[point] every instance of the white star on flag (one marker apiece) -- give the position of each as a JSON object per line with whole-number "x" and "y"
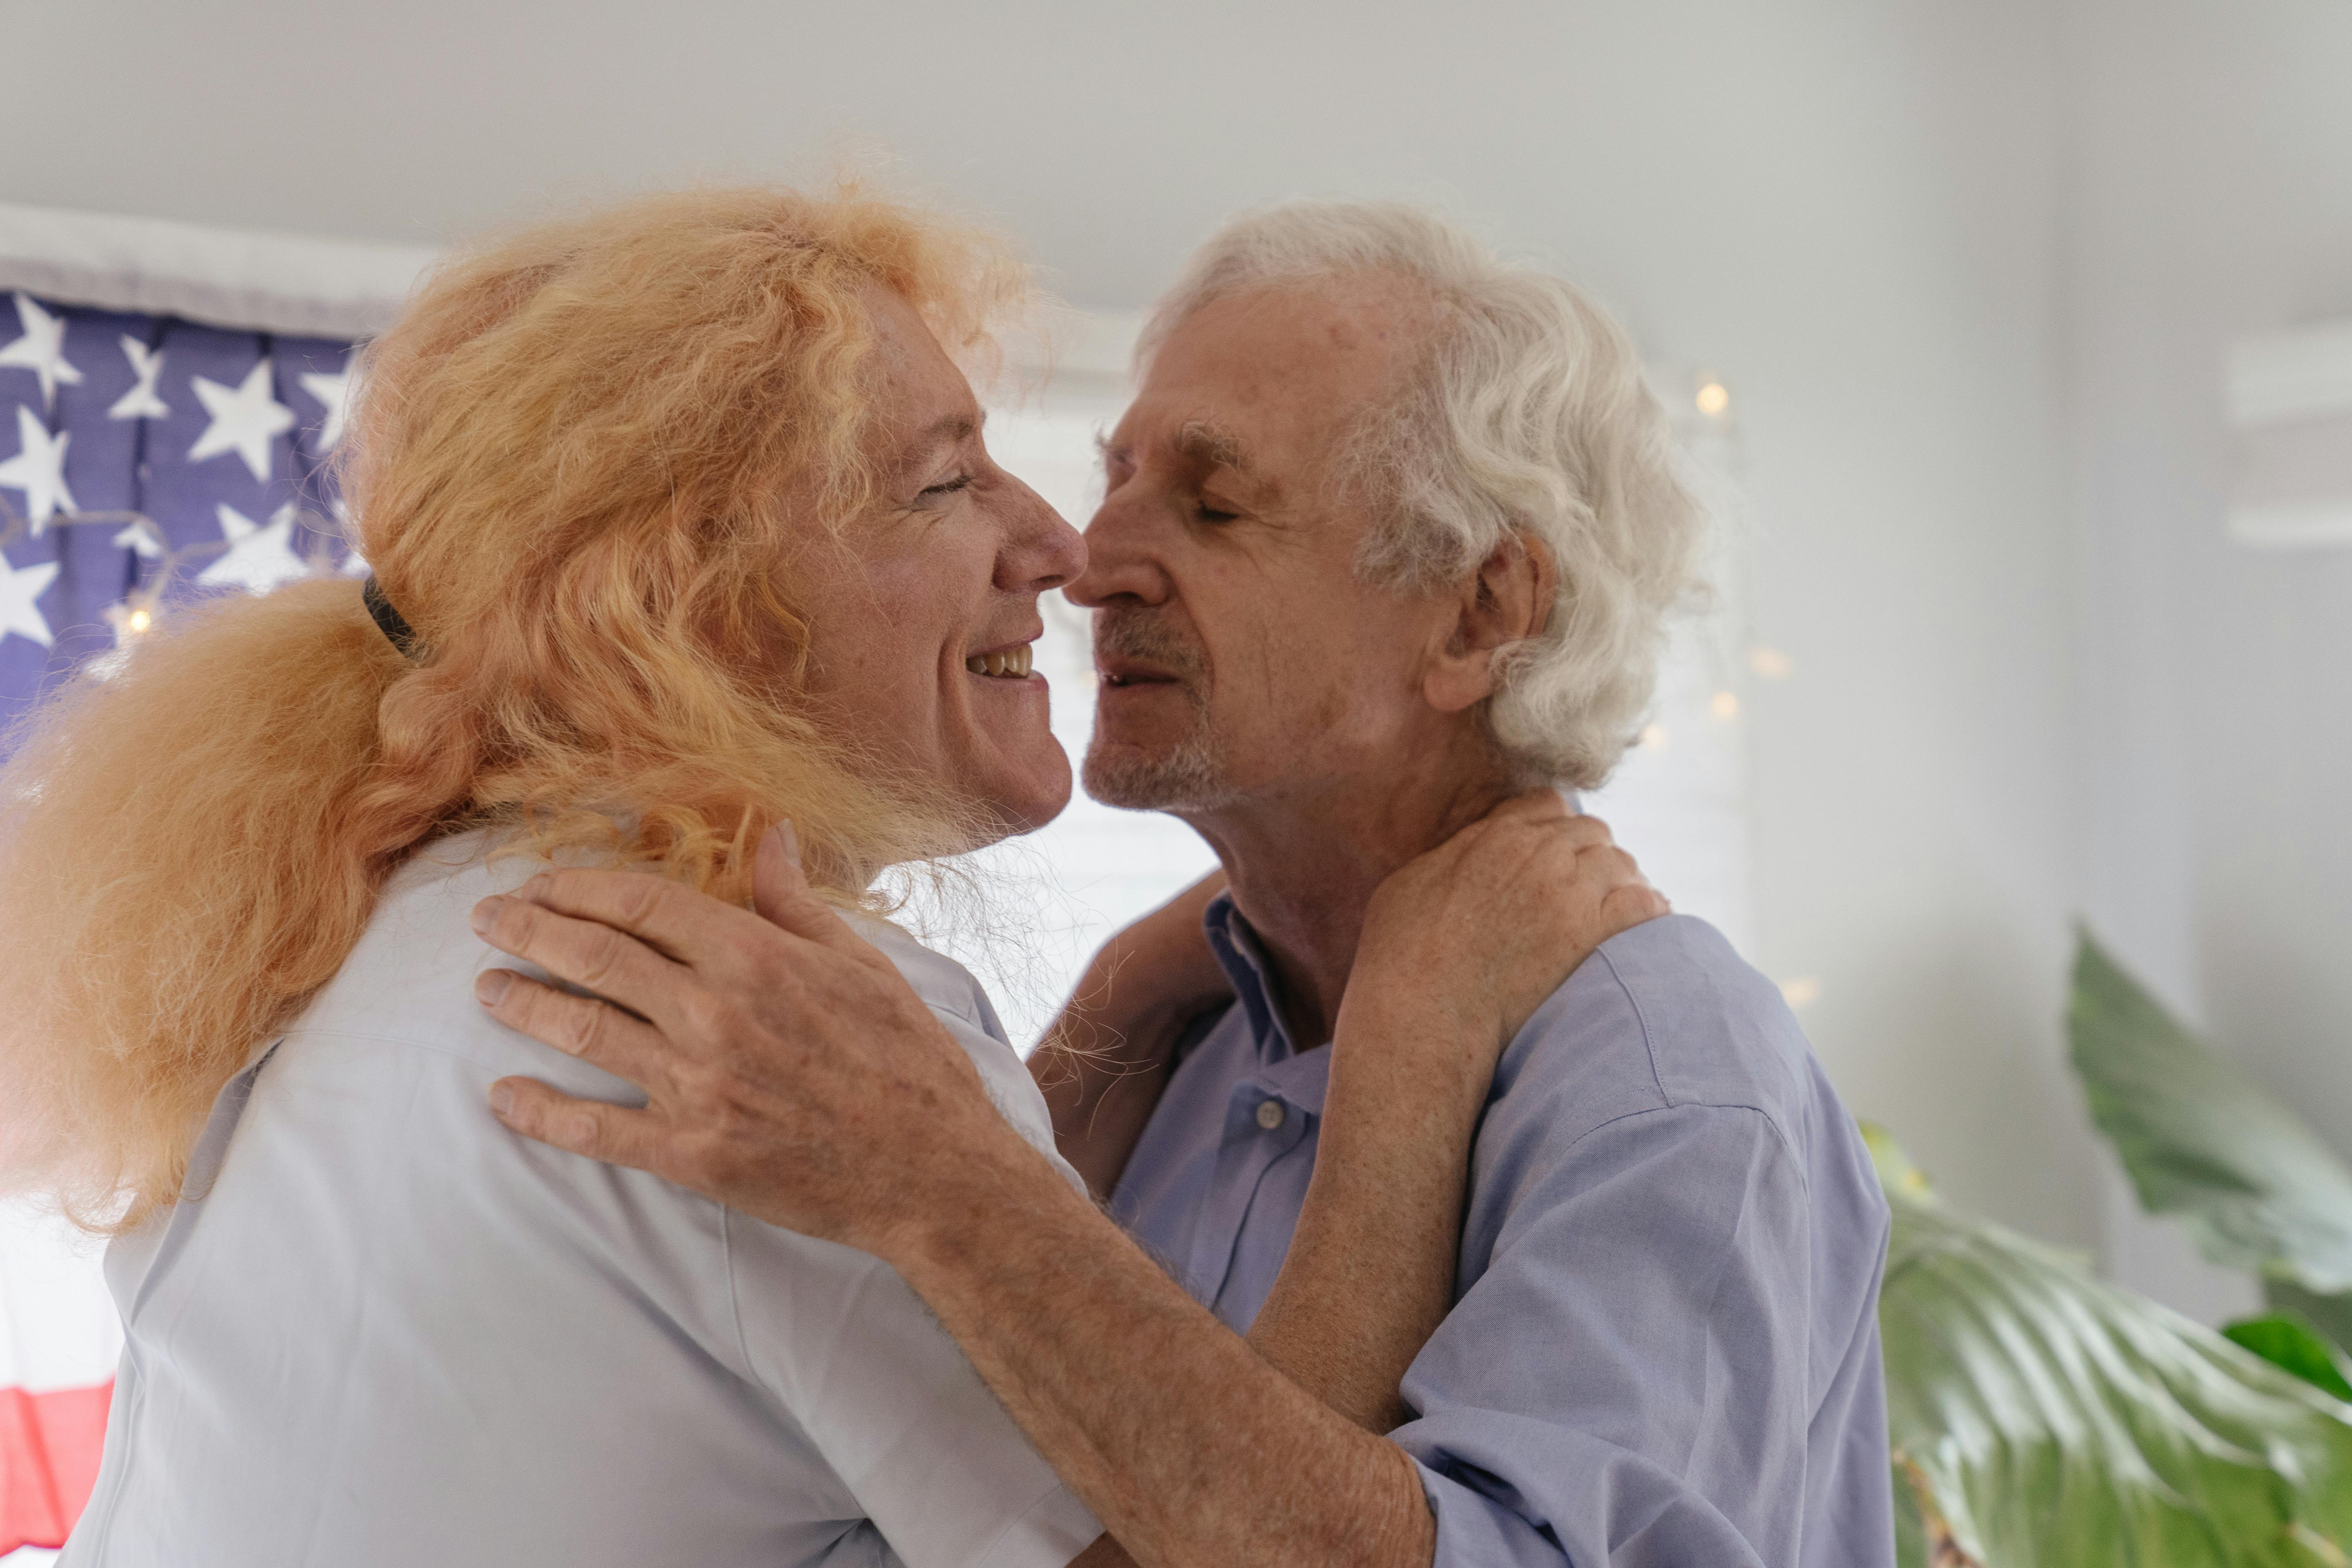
{"x": 260, "y": 556}
{"x": 244, "y": 419}
{"x": 42, "y": 350}
{"x": 140, "y": 402}
{"x": 334, "y": 394}
{"x": 38, "y": 469}
{"x": 140, "y": 536}
{"x": 20, "y": 591}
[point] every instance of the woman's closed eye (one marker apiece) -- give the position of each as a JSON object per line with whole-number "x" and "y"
{"x": 944, "y": 488}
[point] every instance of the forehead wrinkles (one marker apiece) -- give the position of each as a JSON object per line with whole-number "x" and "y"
{"x": 1319, "y": 355}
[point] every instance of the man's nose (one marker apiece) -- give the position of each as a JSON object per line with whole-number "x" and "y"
{"x": 1120, "y": 563}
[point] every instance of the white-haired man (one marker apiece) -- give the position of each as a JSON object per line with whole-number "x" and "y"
{"x": 1390, "y": 534}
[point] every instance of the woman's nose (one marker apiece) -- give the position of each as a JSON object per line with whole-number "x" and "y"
{"x": 1042, "y": 549}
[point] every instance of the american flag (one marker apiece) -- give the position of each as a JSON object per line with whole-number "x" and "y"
{"x": 145, "y": 461}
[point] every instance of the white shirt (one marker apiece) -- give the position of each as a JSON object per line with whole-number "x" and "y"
{"x": 383, "y": 1330}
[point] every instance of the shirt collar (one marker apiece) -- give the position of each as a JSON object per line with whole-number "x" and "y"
{"x": 1243, "y": 957}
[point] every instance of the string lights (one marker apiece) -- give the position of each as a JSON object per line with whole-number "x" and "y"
{"x": 138, "y": 613}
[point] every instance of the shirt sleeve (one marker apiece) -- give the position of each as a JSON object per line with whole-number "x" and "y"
{"x": 889, "y": 1402}
{"x": 1627, "y": 1383}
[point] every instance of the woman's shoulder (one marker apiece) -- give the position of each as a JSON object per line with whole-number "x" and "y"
{"x": 408, "y": 982}
{"x": 945, "y": 986}
{"x": 960, "y": 1002}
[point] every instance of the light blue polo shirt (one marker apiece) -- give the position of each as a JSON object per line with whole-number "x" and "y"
{"x": 385, "y": 1331}
{"x": 1663, "y": 1346}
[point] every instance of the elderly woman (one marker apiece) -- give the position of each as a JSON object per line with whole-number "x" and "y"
{"x": 682, "y": 529}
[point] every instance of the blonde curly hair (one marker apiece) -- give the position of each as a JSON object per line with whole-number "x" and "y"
{"x": 583, "y": 461}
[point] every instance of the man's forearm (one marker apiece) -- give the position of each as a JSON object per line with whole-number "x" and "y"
{"x": 1188, "y": 1445}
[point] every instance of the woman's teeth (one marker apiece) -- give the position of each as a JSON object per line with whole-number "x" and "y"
{"x": 1013, "y": 664}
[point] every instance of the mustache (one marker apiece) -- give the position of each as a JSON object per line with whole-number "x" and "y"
{"x": 1143, "y": 633}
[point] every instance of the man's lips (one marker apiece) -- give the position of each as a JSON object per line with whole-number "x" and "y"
{"x": 1129, "y": 672}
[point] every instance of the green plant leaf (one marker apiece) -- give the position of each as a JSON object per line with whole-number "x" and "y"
{"x": 2331, "y": 1315}
{"x": 2255, "y": 1186}
{"x": 2288, "y": 1341}
{"x": 2043, "y": 1418}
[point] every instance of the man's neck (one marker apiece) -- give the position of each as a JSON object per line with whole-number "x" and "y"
{"x": 1303, "y": 866}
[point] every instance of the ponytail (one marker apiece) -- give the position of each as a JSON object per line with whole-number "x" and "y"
{"x": 184, "y": 861}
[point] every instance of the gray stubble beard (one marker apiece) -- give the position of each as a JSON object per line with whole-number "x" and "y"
{"x": 1189, "y": 776}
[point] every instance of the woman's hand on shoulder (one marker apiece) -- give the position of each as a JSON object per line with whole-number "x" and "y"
{"x": 1476, "y": 933}
{"x": 789, "y": 1070}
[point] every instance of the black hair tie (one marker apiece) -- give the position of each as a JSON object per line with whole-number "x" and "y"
{"x": 388, "y": 621}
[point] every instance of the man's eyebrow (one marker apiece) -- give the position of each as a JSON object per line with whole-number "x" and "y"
{"x": 1206, "y": 443}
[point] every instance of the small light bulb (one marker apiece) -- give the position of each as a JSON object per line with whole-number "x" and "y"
{"x": 1801, "y": 992}
{"x": 1713, "y": 397}
{"x": 1726, "y": 705}
{"x": 1653, "y": 737}
{"x": 139, "y": 621}
{"x": 1771, "y": 662}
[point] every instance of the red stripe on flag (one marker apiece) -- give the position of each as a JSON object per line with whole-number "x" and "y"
{"x": 49, "y": 1449}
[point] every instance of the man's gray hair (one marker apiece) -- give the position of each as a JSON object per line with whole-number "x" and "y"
{"x": 1528, "y": 420}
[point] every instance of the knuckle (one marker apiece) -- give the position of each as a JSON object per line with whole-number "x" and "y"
{"x": 741, "y": 951}
{"x": 513, "y": 924}
{"x": 709, "y": 1015}
{"x": 600, "y": 959}
{"x": 585, "y": 1026}
{"x": 583, "y": 1128}
{"x": 639, "y": 897}
{"x": 709, "y": 1087}
{"x": 1587, "y": 832}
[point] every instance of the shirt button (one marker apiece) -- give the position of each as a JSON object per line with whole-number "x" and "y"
{"x": 1269, "y": 1114}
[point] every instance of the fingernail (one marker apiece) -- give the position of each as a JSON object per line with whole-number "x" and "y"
{"x": 490, "y": 984}
{"x": 501, "y": 1097}
{"x": 486, "y": 915}
{"x": 789, "y": 839}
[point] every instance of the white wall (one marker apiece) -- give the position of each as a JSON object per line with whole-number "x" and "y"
{"x": 2210, "y": 196}
{"x": 1849, "y": 210}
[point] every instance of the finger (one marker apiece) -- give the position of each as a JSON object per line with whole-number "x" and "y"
{"x": 588, "y": 953}
{"x": 673, "y": 920}
{"x": 585, "y": 1027}
{"x": 782, "y": 894}
{"x": 1586, "y": 832}
{"x": 1634, "y": 903}
{"x": 1606, "y": 865}
{"x": 780, "y": 888}
{"x": 613, "y": 1133}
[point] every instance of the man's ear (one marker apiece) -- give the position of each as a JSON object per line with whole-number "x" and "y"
{"x": 1508, "y": 599}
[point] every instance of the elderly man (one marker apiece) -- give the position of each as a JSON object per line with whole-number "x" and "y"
{"x": 1390, "y": 533}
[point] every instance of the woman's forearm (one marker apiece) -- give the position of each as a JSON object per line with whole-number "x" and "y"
{"x": 1370, "y": 1269}
{"x": 1187, "y": 1445}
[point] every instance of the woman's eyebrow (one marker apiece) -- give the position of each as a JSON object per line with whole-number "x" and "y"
{"x": 953, "y": 430}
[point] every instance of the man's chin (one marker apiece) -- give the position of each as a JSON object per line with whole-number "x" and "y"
{"x": 1182, "y": 778}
